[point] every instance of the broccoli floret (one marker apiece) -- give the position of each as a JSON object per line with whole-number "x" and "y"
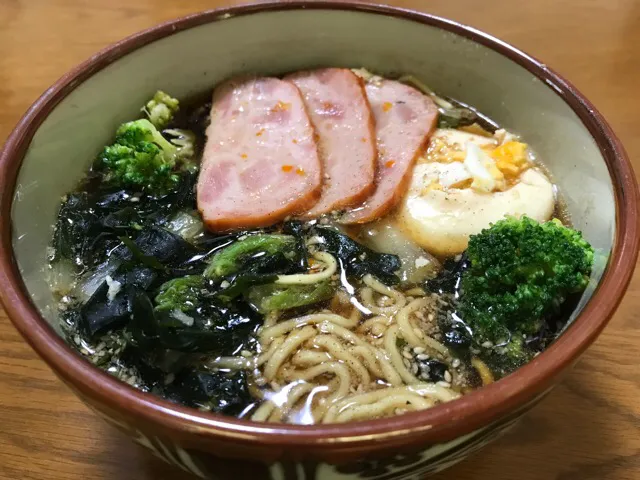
{"x": 182, "y": 294}
{"x": 161, "y": 109}
{"x": 141, "y": 157}
{"x": 185, "y": 141}
{"x": 520, "y": 271}
{"x": 140, "y": 131}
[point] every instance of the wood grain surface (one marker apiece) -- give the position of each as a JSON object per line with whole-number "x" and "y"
{"x": 588, "y": 428}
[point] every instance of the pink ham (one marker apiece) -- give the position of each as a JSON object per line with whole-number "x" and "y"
{"x": 339, "y": 110}
{"x": 260, "y": 163}
{"x": 404, "y": 119}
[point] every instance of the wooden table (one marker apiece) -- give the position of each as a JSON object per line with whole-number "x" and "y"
{"x": 588, "y": 428}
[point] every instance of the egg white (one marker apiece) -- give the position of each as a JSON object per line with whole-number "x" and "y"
{"x": 441, "y": 221}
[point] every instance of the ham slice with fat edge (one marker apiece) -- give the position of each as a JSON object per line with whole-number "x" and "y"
{"x": 260, "y": 163}
{"x": 404, "y": 120}
{"x": 340, "y": 113}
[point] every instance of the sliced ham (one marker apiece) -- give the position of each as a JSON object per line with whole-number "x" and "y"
{"x": 404, "y": 120}
{"x": 340, "y": 113}
{"x": 260, "y": 163}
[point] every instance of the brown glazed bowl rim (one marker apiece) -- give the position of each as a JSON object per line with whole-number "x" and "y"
{"x": 442, "y": 423}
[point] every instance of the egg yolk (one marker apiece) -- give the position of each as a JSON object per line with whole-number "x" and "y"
{"x": 511, "y": 159}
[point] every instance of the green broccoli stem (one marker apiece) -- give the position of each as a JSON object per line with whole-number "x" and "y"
{"x": 161, "y": 109}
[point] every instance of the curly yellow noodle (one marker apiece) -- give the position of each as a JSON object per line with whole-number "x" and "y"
{"x": 293, "y": 396}
{"x": 275, "y": 344}
{"x": 329, "y": 363}
{"x": 390, "y": 374}
{"x": 282, "y": 328}
{"x": 232, "y": 363}
{"x": 339, "y": 370}
{"x": 379, "y": 408}
{"x": 485, "y": 374}
{"x": 288, "y": 347}
{"x": 390, "y": 345}
{"x": 415, "y": 292}
{"x": 369, "y": 322}
{"x": 430, "y": 391}
{"x": 331, "y": 265}
{"x": 308, "y": 358}
{"x": 404, "y": 324}
{"x": 369, "y": 302}
{"x": 435, "y": 345}
{"x": 338, "y": 351}
{"x": 271, "y": 319}
{"x": 369, "y": 357}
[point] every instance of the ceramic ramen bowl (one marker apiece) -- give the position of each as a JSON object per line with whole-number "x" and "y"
{"x": 52, "y": 145}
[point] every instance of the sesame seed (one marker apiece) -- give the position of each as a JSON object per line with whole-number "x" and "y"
{"x": 422, "y": 356}
{"x": 407, "y": 355}
{"x": 418, "y": 350}
{"x": 447, "y": 376}
{"x": 455, "y": 363}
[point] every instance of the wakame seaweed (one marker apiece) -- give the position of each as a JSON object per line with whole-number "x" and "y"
{"x": 356, "y": 259}
{"x": 214, "y": 329}
{"x": 219, "y": 392}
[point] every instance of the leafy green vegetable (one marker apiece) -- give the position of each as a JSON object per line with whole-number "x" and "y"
{"x": 358, "y": 260}
{"x": 520, "y": 271}
{"x": 232, "y": 259}
{"x": 272, "y": 296}
{"x": 241, "y": 283}
{"x": 161, "y": 109}
{"x": 456, "y": 117}
{"x": 180, "y": 294}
